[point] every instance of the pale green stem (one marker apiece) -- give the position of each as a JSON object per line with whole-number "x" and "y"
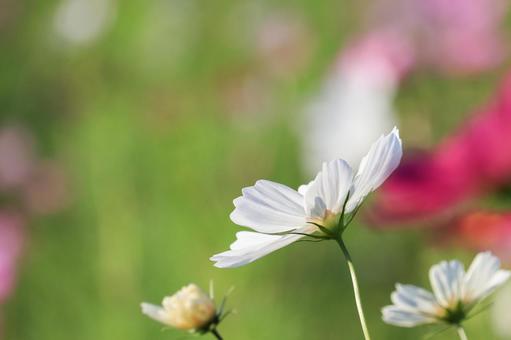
{"x": 461, "y": 333}
{"x": 356, "y": 291}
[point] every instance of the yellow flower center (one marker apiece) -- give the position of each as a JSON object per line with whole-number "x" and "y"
{"x": 329, "y": 221}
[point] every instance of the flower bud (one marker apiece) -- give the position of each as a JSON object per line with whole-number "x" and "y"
{"x": 188, "y": 309}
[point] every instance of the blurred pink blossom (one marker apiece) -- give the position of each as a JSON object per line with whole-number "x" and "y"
{"x": 461, "y": 35}
{"x": 390, "y": 50}
{"x": 28, "y": 186}
{"x": 453, "y": 36}
{"x": 482, "y": 231}
{"x": 39, "y": 186}
{"x": 11, "y": 245}
{"x": 475, "y": 159}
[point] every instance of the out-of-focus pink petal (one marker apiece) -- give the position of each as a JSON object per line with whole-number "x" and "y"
{"x": 461, "y": 36}
{"x": 452, "y": 36}
{"x": 475, "y": 159}
{"x": 388, "y": 49}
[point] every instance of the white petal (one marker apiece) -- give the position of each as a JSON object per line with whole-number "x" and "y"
{"x": 154, "y": 312}
{"x": 483, "y": 277}
{"x": 329, "y": 189}
{"x": 251, "y": 246}
{"x": 248, "y": 239}
{"x": 447, "y": 281}
{"x": 269, "y": 207}
{"x": 302, "y": 189}
{"x": 381, "y": 160}
{"x": 416, "y": 299}
{"x": 404, "y": 318}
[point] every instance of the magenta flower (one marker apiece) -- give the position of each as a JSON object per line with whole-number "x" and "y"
{"x": 471, "y": 161}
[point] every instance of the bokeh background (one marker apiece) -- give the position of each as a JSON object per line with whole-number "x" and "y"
{"x": 127, "y": 128}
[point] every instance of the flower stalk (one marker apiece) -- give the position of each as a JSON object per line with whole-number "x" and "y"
{"x": 356, "y": 290}
{"x": 461, "y": 333}
{"x": 217, "y": 335}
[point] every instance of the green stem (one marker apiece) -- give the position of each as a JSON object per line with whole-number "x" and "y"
{"x": 217, "y": 335}
{"x": 356, "y": 290}
{"x": 461, "y": 333}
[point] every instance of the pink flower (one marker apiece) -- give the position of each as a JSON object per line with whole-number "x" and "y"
{"x": 383, "y": 49}
{"x": 453, "y": 36}
{"x": 473, "y": 160}
{"x": 460, "y": 35}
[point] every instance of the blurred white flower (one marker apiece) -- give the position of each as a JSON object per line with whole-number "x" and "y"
{"x": 455, "y": 293}
{"x": 83, "y": 21}
{"x": 353, "y": 109}
{"x": 355, "y": 105}
{"x": 318, "y": 207}
{"x": 189, "y": 309}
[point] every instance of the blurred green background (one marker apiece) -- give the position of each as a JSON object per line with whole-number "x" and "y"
{"x": 150, "y": 121}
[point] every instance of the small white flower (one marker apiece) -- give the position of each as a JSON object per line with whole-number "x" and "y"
{"x": 272, "y": 208}
{"x": 455, "y": 293}
{"x": 188, "y": 309}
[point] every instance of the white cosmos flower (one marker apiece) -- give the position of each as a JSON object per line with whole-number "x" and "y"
{"x": 188, "y": 309}
{"x": 270, "y": 208}
{"x": 455, "y": 293}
